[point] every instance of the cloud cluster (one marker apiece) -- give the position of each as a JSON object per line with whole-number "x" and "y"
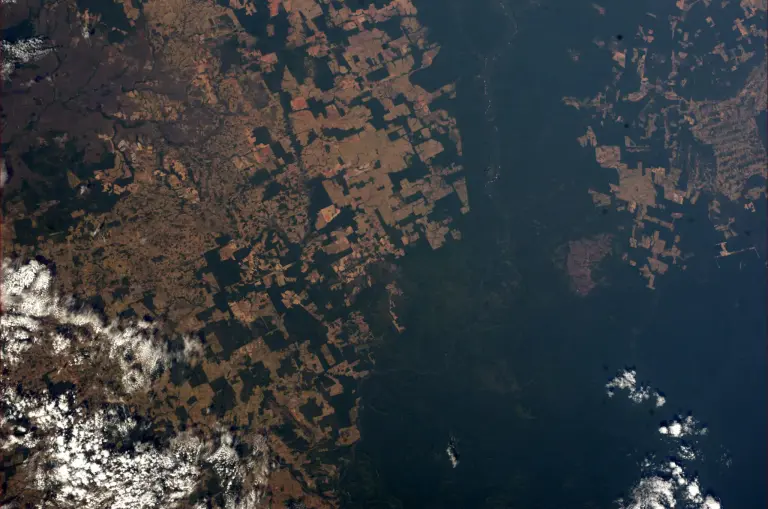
{"x": 664, "y": 484}
{"x": 34, "y": 315}
{"x": 85, "y": 452}
{"x": 88, "y": 459}
{"x": 22, "y": 52}
{"x": 626, "y": 380}
{"x": 75, "y": 460}
{"x": 681, "y": 427}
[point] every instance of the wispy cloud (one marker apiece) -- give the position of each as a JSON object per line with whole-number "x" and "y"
{"x": 21, "y": 52}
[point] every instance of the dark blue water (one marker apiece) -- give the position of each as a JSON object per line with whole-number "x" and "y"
{"x": 501, "y": 355}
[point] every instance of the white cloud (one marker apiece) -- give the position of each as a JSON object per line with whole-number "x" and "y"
{"x": 686, "y": 452}
{"x": 626, "y": 380}
{"x": 74, "y": 459}
{"x": 75, "y": 462}
{"x": 651, "y": 493}
{"x": 453, "y": 455}
{"x": 710, "y": 503}
{"x": 88, "y": 457}
{"x": 33, "y": 312}
{"x": 22, "y": 52}
{"x": 3, "y": 173}
{"x": 664, "y": 485}
{"x": 686, "y": 426}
